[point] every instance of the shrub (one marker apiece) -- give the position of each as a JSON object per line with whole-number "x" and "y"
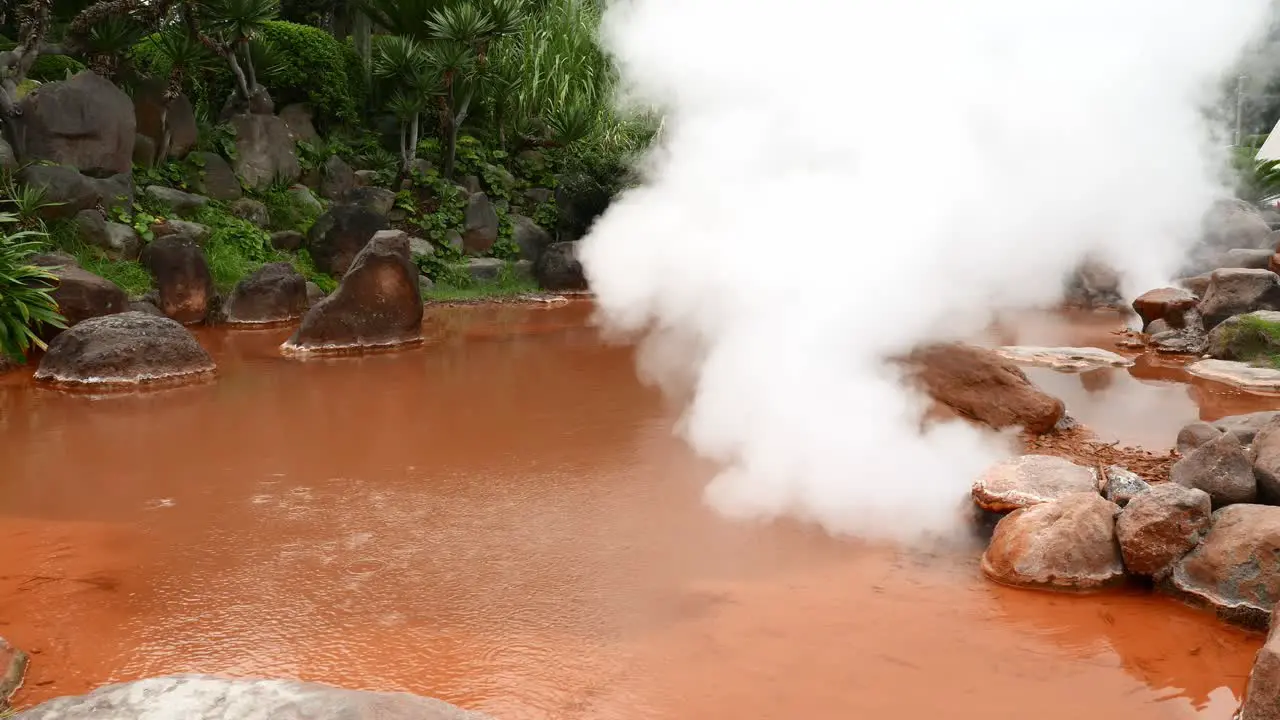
{"x": 235, "y": 248}
{"x": 307, "y": 65}
{"x": 47, "y": 68}
{"x": 25, "y": 293}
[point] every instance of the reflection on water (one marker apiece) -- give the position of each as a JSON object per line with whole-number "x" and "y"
{"x": 501, "y": 518}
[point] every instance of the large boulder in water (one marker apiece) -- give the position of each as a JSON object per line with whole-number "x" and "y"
{"x": 85, "y": 122}
{"x": 123, "y": 349}
{"x": 1029, "y": 480}
{"x": 1262, "y": 695}
{"x": 1238, "y": 291}
{"x": 377, "y": 304}
{"x": 273, "y": 293}
{"x": 182, "y": 277}
{"x": 1221, "y": 468}
{"x": 199, "y": 697}
{"x": 264, "y": 150}
{"x": 339, "y": 234}
{"x": 1067, "y": 544}
{"x": 1161, "y": 525}
{"x": 558, "y": 268}
{"x": 979, "y": 384}
{"x": 1236, "y": 569}
{"x": 1166, "y": 304}
{"x": 80, "y": 294}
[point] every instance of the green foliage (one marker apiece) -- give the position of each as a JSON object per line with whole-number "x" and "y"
{"x": 1253, "y": 339}
{"x": 235, "y": 247}
{"x": 26, "y": 300}
{"x": 304, "y": 264}
{"x": 139, "y": 219}
{"x": 50, "y": 68}
{"x": 306, "y": 64}
{"x": 285, "y": 212}
{"x": 23, "y": 202}
{"x": 128, "y": 274}
{"x": 1259, "y": 180}
{"x": 509, "y": 284}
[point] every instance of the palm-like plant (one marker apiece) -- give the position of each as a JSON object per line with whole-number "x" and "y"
{"x": 231, "y": 28}
{"x": 1259, "y": 180}
{"x": 26, "y": 300}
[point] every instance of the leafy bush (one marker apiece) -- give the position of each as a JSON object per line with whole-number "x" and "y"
{"x": 49, "y": 68}
{"x": 26, "y": 299}
{"x": 235, "y": 247}
{"x": 304, "y": 264}
{"x": 307, "y": 65}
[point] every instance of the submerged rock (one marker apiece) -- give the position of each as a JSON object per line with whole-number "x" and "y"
{"x": 1160, "y": 526}
{"x": 1262, "y": 695}
{"x": 1237, "y": 374}
{"x": 1064, "y": 359}
{"x": 1067, "y": 544}
{"x": 377, "y": 304}
{"x": 1122, "y": 486}
{"x": 980, "y": 385}
{"x": 13, "y": 667}
{"x": 1221, "y": 468}
{"x": 1236, "y": 569}
{"x": 124, "y": 349}
{"x": 273, "y": 293}
{"x": 1029, "y": 480}
{"x": 200, "y": 697}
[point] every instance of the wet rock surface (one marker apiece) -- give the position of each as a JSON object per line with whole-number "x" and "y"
{"x": 1262, "y": 695}
{"x": 377, "y": 304}
{"x": 273, "y": 293}
{"x": 1122, "y": 485}
{"x": 1029, "y": 480}
{"x": 980, "y": 385}
{"x": 1244, "y": 337}
{"x": 123, "y": 349}
{"x": 1237, "y": 374}
{"x": 1094, "y": 284}
{"x": 197, "y": 697}
{"x": 1064, "y": 359}
{"x": 1195, "y": 434}
{"x": 558, "y": 268}
{"x": 1266, "y": 461}
{"x": 182, "y": 278}
{"x": 1188, "y": 337}
{"x": 85, "y": 122}
{"x": 82, "y": 295}
{"x": 1067, "y": 544}
{"x": 1161, "y": 525}
{"x": 1236, "y": 568}
{"x": 1166, "y": 304}
{"x": 1221, "y": 468}
{"x": 1245, "y": 427}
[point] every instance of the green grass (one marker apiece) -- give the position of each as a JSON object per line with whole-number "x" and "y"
{"x": 303, "y": 263}
{"x": 506, "y": 286}
{"x": 1255, "y": 340}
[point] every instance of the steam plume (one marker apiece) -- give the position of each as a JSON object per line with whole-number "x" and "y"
{"x": 839, "y": 180}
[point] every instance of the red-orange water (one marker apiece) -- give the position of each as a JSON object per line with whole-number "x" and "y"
{"x": 502, "y": 519}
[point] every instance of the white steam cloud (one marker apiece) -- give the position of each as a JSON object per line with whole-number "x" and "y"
{"x": 839, "y": 180}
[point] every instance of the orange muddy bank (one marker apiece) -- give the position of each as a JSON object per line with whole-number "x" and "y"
{"x": 502, "y": 519}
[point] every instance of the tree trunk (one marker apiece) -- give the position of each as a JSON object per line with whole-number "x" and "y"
{"x": 404, "y": 144}
{"x": 250, "y": 73}
{"x": 363, "y": 41}
{"x": 412, "y": 151}
{"x": 242, "y": 83}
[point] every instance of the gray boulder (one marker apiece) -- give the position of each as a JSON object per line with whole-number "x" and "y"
{"x": 1221, "y": 468}
{"x": 336, "y": 178}
{"x": 1234, "y": 224}
{"x": 420, "y": 248}
{"x": 1235, "y": 292}
{"x": 182, "y": 278}
{"x": 214, "y": 177}
{"x": 303, "y": 199}
{"x": 1093, "y": 284}
{"x": 1161, "y": 525}
{"x": 1122, "y": 486}
{"x": 264, "y": 150}
{"x": 1188, "y": 337}
{"x": 117, "y": 240}
{"x": 198, "y": 697}
{"x": 8, "y": 158}
{"x": 339, "y": 234}
{"x": 181, "y": 228}
{"x": 1195, "y": 434}
{"x": 539, "y": 195}
{"x": 297, "y": 120}
{"x": 531, "y": 239}
{"x": 252, "y": 211}
{"x": 377, "y": 304}
{"x": 80, "y": 294}
{"x": 123, "y": 349}
{"x": 1266, "y": 461}
{"x": 1262, "y": 694}
{"x": 183, "y": 203}
{"x": 1246, "y": 337}
{"x": 273, "y": 293}
{"x": 287, "y": 240}
{"x": 84, "y": 122}
{"x": 1252, "y": 258}
{"x": 1246, "y": 426}
{"x": 480, "y": 226}
{"x": 485, "y": 269}
{"x": 558, "y": 268}
{"x": 69, "y": 191}
{"x": 379, "y": 200}
{"x": 1236, "y": 568}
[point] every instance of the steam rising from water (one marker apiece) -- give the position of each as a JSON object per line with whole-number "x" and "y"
{"x": 839, "y": 180}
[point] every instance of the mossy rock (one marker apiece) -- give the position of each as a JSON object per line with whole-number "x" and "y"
{"x": 1252, "y": 337}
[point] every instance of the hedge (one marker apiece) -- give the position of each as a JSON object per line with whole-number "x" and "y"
{"x": 47, "y": 68}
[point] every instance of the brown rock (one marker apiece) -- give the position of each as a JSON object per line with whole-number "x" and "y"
{"x": 980, "y": 385}
{"x": 1221, "y": 468}
{"x": 124, "y": 349}
{"x": 1166, "y": 304}
{"x": 376, "y": 305}
{"x": 1236, "y": 568}
{"x": 1262, "y": 695}
{"x": 1161, "y": 525}
{"x": 339, "y": 234}
{"x": 1029, "y": 480}
{"x": 1266, "y": 461}
{"x": 1067, "y": 544}
{"x": 13, "y": 667}
{"x": 1195, "y": 434}
{"x": 182, "y": 278}
{"x": 81, "y": 294}
{"x": 273, "y": 293}
{"x": 1274, "y": 263}
{"x": 84, "y": 122}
